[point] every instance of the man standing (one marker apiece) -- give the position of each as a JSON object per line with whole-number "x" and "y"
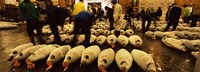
{"x": 83, "y": 21}
{"x": 167, "y": 13}
{"x": 173, "y": 17}
{"x": 117, "y": 14}
{"x": 78, "y": 7}
{"x": 194, "y": 19}
{"x": 56, "y": 17}
{"x": 186, "y": 14}
{"x": 158, "y": 13}
{"x": 28, "y": 12}
{"x": 128, "y": 15}
{"x": 146, "y": 16}
{"x": 109, "y": 13}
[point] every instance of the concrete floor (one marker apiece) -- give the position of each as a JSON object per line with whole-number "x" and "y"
{"x": 166, "y": 59}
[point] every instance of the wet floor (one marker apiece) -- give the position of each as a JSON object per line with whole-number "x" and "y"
{"x": 166, "y": 59}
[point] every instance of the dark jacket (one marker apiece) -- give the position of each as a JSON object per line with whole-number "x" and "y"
{"x": 159, "y": 12}
{"x": 100, "y": 14}
{"x": 166, "y": 16}
{"x": 174, "y": 13}
{"x": 194, "y": 17}
{"x": 146, "y": 16}
{"x": 85, "y": 16}
{"x": 109, "y": 13}
{"x": 27, "y": 10}
{"x": 57, "y": 16}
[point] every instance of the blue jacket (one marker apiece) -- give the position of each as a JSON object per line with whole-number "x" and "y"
{"x": 84, "y": 15}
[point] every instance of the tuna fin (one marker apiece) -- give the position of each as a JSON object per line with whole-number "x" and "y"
{"x": 123, "y": 69}
{"x": 101, "y": 67}
{"x": 65, "y": 65}
{"x": 31, "y": 66}
{"x": 50, "y": 65}
{"x": 16, "y": 64}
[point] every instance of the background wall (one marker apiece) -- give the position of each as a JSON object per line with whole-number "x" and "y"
{"x": 125, "y": 3}
{"x": 144, "y": 4}
{"x": 61, "y": 3}
{"x": 55, "y": 2}
{"x": 2, "y": 4}
{"x": 194, "y": 3}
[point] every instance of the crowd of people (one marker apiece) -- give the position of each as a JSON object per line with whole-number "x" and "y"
{"x": 84, "y": 19}
{"x": 172, "y": 17}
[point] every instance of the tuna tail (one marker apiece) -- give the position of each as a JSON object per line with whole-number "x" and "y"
{"x": 112, "y": 45}
{"x": 123, "y": 69}
{"x": 50, "y": 65}
{"x": 83, "y": 64}
{"x": 67, "y": 34}
{"x": 98, "y": 42}
{"x": 107, "y": 35}
{"x": 154, "y": 37}
{"x": 149, "y": 67}
{"x": 29, "y": 64}
{"x": 65, "y": 66}
{"x": 195, "y": 54}
{"x": 97, "y": 35}
{"x": 16, "y": 64}
{"x": 101, "y": 67}
{"x": 67, "y": 41}
{"x": 151, "y": 71}
{"x": 123, "y": 43}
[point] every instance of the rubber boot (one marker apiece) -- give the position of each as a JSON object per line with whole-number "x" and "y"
{"x": 32, "y": 39}
{"x": 57, "y": 39}
{"x": 40, "y": 39}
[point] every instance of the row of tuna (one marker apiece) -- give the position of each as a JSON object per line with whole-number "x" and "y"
{"x": 69, "y": 28}
{"x": 98, "y": 32}
{"x": 123, "y": 40}
{"x": 123, "y": 58}
{"x": 160, "y": 26}
{"x": 106, "y": 25}
{"x": 178, "y": 40}
{"x": 183, "y": 45}
{"x": 6, "y": 25}
{"x": 174, "y": 34}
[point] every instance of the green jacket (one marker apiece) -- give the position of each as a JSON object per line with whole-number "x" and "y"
{"x": 187, "y": 12}
{"x": 27, "y": 11}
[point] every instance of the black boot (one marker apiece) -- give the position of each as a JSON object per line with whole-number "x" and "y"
{"x": 32, "y": 39}
{"x": 57, "y": 40}
{"x": 40, "y": 39}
